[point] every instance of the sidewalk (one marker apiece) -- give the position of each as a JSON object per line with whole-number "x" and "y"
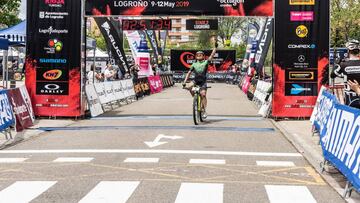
{"x": 32, "y": 132}
{"x": 299, "y": 133}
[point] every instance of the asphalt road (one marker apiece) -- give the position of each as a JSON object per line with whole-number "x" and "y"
{"x": 150, "y": 151}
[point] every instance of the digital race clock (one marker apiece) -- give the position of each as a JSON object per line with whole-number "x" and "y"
{"x": 146, "y": 24}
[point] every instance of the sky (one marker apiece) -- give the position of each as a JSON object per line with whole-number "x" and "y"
{"x": 22, "y": 14}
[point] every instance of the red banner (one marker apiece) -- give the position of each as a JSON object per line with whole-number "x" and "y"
{"x": 156, "y": 85}
{"x": 22, "y": 113}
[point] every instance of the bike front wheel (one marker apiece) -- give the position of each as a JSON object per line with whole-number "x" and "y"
{"x": 196, "y": 112}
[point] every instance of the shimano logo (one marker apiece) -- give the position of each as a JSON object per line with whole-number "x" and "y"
{"x": 58, "y": 61}
{"x": 301, "y": 46}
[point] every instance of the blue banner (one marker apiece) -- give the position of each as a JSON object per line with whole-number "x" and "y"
{"x": 6, "y": 114}
{"x": 339, "y": 128}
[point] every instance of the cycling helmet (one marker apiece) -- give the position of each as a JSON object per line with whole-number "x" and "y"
{"x": 200, "y": 52}
{"x": 352, "y": 45}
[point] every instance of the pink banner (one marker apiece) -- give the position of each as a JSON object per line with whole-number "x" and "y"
{"x": 156, "y": 85}
{"x": 302, "y": 16}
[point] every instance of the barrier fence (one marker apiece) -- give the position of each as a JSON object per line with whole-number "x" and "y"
{"x": 339, "y": 129}
{"x": 100, "y": 96}
{"x": 15, "y": 110}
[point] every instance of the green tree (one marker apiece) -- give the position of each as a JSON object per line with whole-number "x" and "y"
{"x": 345, "y": 21}
{"x": 229, "y": 27}
{"x": 9, "y": 12}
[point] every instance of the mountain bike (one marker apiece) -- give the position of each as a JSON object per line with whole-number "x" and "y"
{"x": 197, "y": 105}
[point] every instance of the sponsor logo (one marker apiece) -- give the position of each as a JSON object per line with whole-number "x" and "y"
{"x": 299, "y": 75}
{"x": 298, "y": 89}
{"x": 263, "y": 40}
{"x": 54, "y": 46}
{"x": 55, "y": 3}
{"x": 44, "y": 88}
{"x": 51, "y": 30}
{"x": 252, "y": 33}
{"x": 302, "y": 2}
{"x": 301, "y": 58}
{"x": 52, "y": 74}
{"x": 55, "y": 61}
{"x": 353, "y": 69}
{"x": 296, "y": 16}
{"x": 301, "y": 46}
{"x": 224, "y": 3}
{"x": 302, "y": 31}
{"x": 53, "y": 15}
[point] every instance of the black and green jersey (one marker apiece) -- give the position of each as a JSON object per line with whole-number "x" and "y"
{"x": 200, "y": 69}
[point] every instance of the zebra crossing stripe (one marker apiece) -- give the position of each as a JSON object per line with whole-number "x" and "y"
{"x": 73, "y": 159}
{"x": 24, "y": 191}
{"x": 111, "y": 192}
{"x": 12, "y": 160}
{"x": 141, "y": 160}
{"x": 286, "y": 194}
{"x": 200, "y": 192}
{"x": 207, "y": 161}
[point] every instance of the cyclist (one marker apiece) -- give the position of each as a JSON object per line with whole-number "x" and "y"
{"x": 349, "y": 69}
{"x": 200, "y": 68}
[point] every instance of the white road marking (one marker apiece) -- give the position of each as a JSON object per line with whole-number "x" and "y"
{"x": 111, "y": 192}
{"x": 275, "y": 163}
{"x": 157, "y": 142}
{"x": 207, "y": 161}
{"x": 12, "y": 160}
{"x": 73, "y": 159}
{"x": 286, "y": 194}
{"x": 141, "y": 160}
{"x": 24, "y": 191}
{"x": 148, "y": 151}
{"x": 200, "y": 192}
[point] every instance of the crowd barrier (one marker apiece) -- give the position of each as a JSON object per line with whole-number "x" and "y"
{"x": 339, "y": 129}
{"x": 102, "y": 95}
{"x": 15, "y": 110}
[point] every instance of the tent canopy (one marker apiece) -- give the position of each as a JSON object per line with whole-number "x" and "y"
{"x": 16, "y": 34}
{"x": 4, "y": 44}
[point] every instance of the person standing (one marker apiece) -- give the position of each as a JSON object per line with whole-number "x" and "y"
{"x": 109, "y": 73}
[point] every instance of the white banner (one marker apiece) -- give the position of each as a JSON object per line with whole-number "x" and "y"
{"x": 101, "y": 92}
{"x": 110, "y": 91}
{"x": 134, "y": 39}
{"x": 94, "y": 101}
{"x": 118, "y": 90}
{"x": 25, "y": 95}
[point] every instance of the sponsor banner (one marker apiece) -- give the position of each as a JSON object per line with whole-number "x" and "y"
{"x": 253, "y": 29}
{"x": 181, "y": 60}
{"x": 101, "y": 92}
{"x": 114, "y": 41}
{"x": 21, "y": 111}
{"x": 7, "y": 118}
{"x": 155, "y": 83}
{"x": 202, "y": 24}
{"x": 301, "y": 56}
{"x": 338, "y": 126}
{"x": 153, "y": 42}
{"x": 177, "y": 7}
{"x": 264, "y": 45}
{"x": 53, "y": 57}
{"x": 93, "y": 101}
{"x": 109, "y": 89}
{"x": 118, "y": 90}
{"x": 27, "y": 100}
{"x": 134, "y": 39}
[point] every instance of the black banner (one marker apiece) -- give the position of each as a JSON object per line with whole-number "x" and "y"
{"x": 114, "y": 41}
{"x": 264, "y": 45}
{"x": 153, "y": 42}
{"x": 202, "y": 24}
{"x": 179, "y": 7}
{"x": 53, "y": 63}
{"x": 301, "y": 55}
{"x": 181, "y": 60}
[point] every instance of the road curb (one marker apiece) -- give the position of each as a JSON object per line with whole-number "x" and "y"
{"x": 314, "y": 158}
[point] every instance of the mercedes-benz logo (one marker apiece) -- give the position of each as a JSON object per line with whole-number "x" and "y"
{"x": 301, "y": 58}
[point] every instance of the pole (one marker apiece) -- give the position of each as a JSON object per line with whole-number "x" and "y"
{"x": 6, "y": 76}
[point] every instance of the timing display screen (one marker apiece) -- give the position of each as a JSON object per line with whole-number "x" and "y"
{"x": 146, "y": 24}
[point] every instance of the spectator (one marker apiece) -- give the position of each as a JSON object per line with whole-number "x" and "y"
{"x": 1, "y": 67}
{"x": 109, "y": 73}
{"x": 93, "y": 76}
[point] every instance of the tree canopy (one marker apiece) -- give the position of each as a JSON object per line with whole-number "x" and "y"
{"x": 9, "y": 12}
